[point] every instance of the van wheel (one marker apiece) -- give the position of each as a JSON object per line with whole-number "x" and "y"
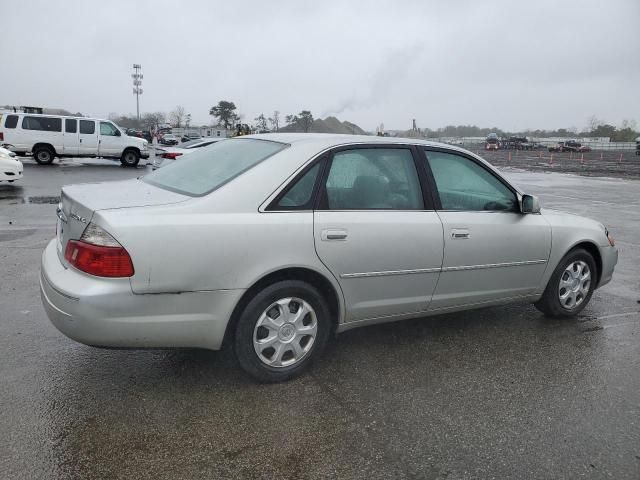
{"x": 43, "y": 155}
{"x": 130, "y": 158}
{"x": 282, "y": 330}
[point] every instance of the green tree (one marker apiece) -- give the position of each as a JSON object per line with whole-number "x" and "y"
{"x": 225, "y": 113}
{"x": 305, "y": 120}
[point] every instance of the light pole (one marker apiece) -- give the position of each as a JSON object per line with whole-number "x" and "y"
{"x": 137, "y": 86}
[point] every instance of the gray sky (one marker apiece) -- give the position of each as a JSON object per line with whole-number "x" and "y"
{"x": 514, "y": 65}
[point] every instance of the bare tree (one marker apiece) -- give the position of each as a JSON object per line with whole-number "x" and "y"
{"x": 261, "y": 122}
{"x": 275, "y": 121}
{"x": 153, "y": 120}
{"x": 593, "y": 123}
{"x": 176, "y": 116}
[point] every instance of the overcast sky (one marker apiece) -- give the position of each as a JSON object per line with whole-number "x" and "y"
{"x": 514, "y": 65}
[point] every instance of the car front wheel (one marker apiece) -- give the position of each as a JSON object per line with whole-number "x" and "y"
{"x": 282, "y": 330}
{"x": 571, "y": 285}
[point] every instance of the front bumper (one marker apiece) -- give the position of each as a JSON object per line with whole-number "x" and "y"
{"x": 106, "y": 313}
{"x": 11, "y": 173}
{"x": 609, "y": 256}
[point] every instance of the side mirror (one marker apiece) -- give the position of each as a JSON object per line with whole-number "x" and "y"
{"x": 530, "y": 204}
{"x": 118, "y": 133}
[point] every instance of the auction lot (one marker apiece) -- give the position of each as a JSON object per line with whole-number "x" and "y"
{"x": 494, "y": 393}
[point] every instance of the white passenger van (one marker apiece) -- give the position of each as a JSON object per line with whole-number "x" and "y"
{"x": 50, "y": 136}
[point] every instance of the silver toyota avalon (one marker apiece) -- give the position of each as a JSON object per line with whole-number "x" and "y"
{"x": 271, "y": 243}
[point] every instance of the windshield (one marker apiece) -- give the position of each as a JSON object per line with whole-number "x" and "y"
{"x": 210, "y": 167}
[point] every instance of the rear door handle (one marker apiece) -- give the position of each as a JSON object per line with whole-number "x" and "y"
{"x": 333, "y": 234}
{"x": 460, "y": 233}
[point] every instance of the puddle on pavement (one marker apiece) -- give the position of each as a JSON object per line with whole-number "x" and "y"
{"x": 38, "y": 200}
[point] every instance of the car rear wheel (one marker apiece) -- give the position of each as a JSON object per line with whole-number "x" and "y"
{"x": 282, "y": 330}
{"x": 130, "y": 158}
{"x": 571, "y": 285}
{"x": 43, "y": 155}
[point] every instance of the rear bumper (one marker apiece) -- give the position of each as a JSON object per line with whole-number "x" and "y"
{"x": 609, "y": 256}
{"x": 106, "y": 313}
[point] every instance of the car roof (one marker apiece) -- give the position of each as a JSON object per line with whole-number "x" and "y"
{"x": 327, "y": 140}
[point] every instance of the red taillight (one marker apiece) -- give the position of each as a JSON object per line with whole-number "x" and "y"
{"x": 171, "y": 155}
{"x": 98, "y": 260}
{"x": 1, "y": 135}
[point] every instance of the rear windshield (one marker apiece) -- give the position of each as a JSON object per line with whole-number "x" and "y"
{"x": 208, "y": 168}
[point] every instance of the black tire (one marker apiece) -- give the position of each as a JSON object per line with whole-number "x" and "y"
{"x": 130, "y": 158}
{"x": 246, "y": 327}
{"x": 550, "y": 303}
{"x": 43, "y": 155}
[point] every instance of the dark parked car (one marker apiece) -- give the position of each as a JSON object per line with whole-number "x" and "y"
{"x": 132, "y": 132}
{"x": 569, "y": 146}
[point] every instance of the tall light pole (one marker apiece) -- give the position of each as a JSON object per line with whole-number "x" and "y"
{"x": 137, "y": 86}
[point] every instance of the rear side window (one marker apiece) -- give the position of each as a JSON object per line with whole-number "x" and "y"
{"x": 298, "y": 196}
{"x": 207, "y": 169}
{"x": 71, "y": 125}
{"x": 87, "y": 127}
{"x": 46, "y": 124}
{"x": 11, "y": 121}
{"x": 373, "y": 179}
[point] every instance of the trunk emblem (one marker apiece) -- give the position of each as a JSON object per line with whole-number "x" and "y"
{"x": 78, "y": 217}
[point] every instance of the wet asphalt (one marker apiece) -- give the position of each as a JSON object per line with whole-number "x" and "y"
{"x": 494, "y": 393}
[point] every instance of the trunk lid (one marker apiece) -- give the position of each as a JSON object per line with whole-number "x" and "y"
{"x": 79, "y": 202}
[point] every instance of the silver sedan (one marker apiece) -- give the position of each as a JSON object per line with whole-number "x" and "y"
{"x": 271, "y": 243}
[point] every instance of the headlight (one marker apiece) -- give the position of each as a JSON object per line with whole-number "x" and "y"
{"x": 612, "y": 242}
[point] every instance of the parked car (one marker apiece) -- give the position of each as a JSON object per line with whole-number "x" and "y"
{"x": 171, "y": 153}
{"x": 270, "y": 243}
{"x": 10, "y": 167}
{"x": 50, "y": 136}
{"x": 638, "y": 146}
{"x": 190, "y": 136}
{"x": 132, "y": 132}
{"x": 568, "y": 146}
{"x": 583, "y": 148}
{"x": 169, "y": 139}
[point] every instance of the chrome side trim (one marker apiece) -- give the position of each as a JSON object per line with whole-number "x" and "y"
{"x": 435, "y": 270}
{"x": 389, "y": 273}
{"x": 493, "y": 265}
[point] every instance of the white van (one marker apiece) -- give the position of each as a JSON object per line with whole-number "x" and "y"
{"x": 50, "y": 136}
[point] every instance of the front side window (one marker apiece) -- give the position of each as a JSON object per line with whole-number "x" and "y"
{"x": 70, "y": 125}
{"x": 465, "y": 185}
{"x": 88, "y": 127}
{"x": 47, "y": 124}
{"x": 11, "y": 121}
{"x": 207, "y": 169}
{"x": 108, "y": 129}
{"x": 373, "y": 179}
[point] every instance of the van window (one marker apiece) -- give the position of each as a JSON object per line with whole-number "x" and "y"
{"x": 108, "y": 129}
{"x": 71, "y": 125}
{"x": 47, "y": 124}
{"x": 87, "y": 127}
{"x": 11, "y": 121}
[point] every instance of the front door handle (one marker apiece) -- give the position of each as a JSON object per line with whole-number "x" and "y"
{"x": 333, "y": 234}
{"x": 460, "y": 233}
